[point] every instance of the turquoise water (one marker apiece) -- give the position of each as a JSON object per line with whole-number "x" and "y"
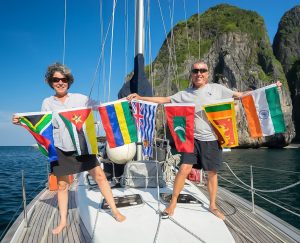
{"x": 284, "y": 163}
{"x": 12, "y": 161}
{"x": 34, "y": 164}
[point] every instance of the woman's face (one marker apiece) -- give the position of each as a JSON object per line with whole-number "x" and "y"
{"x": 60, "y": 84}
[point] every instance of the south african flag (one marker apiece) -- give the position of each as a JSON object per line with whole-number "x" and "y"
{"x": 39, "y": 124}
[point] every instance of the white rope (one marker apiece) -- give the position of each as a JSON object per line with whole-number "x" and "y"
{"x": 111, "y": 47}
{"x": 236, "y": 176}
{"x": 260, "y": 190}
{"x": 281, "y": 202}
{"x": 279, "y": 189}
{"x": 284, "y": 208}
{"x": 286, "y": 171}
{"x": 247, "y": 189}
{"x": 65, "y": 28}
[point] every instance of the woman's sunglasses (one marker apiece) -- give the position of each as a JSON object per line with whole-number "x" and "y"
{"x": 56, "y": 80}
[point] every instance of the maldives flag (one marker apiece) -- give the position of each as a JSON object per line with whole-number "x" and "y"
{"x": 118, "y": 123}
{"x": 263, "y": 112}
{"x": 221, "y": 115}
{"x": 80, "y": 124}
{"x": 181, "y": 118}
{"x": 39, "y": 124}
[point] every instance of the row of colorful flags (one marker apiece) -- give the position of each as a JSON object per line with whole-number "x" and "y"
{"x": 123, "y": 126}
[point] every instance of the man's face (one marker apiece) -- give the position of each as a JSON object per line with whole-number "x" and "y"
{"x": 199, "y": 74}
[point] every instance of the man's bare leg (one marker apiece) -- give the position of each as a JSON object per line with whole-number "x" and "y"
{"x": 99, "y": 176}
{"x": 212, "y": 187}
{"x": 184, "y": 170}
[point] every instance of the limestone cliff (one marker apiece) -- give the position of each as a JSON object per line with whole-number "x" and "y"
{"x": 286, "y": 47}
{"x": 235, "y": 44}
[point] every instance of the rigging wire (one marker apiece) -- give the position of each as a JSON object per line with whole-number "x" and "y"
{"x": 173, "y": 55}
{"x": 65, "y": 29}
{"x": 186, "y": 27}
{"x": 150, "y": 48}
{"x": 199, "y": 28}
{"x": 101, "y": 56}
{"x": 111, "y": 47}
{"x": 126, "y": 40}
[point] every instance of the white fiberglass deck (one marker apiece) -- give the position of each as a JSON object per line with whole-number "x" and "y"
{"x": 143, "y": 223}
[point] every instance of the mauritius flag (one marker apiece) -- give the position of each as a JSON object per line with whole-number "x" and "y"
{"x": 39, "y": 124}
{"x": 80, "y": 124}
{"x": 263, "y": 112}
{"x": 118, "y": 123}
{"x": 180, "y": 118}
{"x": 221, "y": 115}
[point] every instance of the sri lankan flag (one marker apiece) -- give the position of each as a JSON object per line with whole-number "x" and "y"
{"x": 80, "y": 124}
{"x": 39, "y": 124}
{"x": 118, "y": 123}
{"x": 222, "y": 117}
{"x": 180, "y": 118}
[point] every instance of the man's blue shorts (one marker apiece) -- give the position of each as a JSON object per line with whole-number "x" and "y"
{"x": 207, "y": 156}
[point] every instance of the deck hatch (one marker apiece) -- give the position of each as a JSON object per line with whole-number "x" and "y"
{"x": 183, "y": 198}
{"x": 125, "y": 201}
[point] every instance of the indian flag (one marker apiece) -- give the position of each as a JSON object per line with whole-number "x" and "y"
{"x": 221, "y": 115}
{"x": 263, "y": 112}
{"x": 118, "y": 123}
{"x": 39, "y": 124}
{"x": 80, "y": 124}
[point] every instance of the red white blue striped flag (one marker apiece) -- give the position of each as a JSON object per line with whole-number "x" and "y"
{"x": 144, "y": 115}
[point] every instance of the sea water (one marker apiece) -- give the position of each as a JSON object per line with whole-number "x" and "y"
{"x": 283, "y": 162}
{"x": 273, "y": 170}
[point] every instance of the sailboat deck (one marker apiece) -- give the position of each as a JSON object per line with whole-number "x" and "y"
{"x": 243, "y": 225}
{"x": 248, "y": 227}
{"x": 45, "y": 217}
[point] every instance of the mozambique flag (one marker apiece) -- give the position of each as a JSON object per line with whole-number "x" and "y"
{"x": 181, "y": 118}
{"x": 222, "y": 117}
{"x": 118, "y": 123}
{"x": 39, "y": 124}
{"x": 80, "y": 124}
{"x": 263, "y": 112}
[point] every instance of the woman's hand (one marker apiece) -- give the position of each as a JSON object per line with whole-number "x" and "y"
{"x": 133, "y": 96}
{"x": 15, "y": 119}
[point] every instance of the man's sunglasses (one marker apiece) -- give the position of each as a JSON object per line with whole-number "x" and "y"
{"x": 199, "y": 70}
{"x": 56, "y": 80}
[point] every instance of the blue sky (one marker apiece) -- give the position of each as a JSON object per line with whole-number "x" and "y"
{"x": 31, "y": 38}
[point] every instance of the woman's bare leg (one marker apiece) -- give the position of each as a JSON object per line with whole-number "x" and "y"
{"x": 62, "y": 197}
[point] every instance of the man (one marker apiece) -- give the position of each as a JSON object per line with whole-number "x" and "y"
{"x": 207, "y": 151}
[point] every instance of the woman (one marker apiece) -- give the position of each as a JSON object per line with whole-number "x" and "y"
{"x": 59, "y": 78}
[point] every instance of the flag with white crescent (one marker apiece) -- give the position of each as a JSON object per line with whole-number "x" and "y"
{"x": 180, "y": 118}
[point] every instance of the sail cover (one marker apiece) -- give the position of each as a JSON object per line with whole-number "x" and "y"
{"x": 139, "y": 83}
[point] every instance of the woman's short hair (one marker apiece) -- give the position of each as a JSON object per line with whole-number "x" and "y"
{"x": 58, "y": 67}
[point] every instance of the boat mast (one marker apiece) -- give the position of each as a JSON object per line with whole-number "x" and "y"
{"x": 139, "y": 27}
{"x": 139, "y": 49}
